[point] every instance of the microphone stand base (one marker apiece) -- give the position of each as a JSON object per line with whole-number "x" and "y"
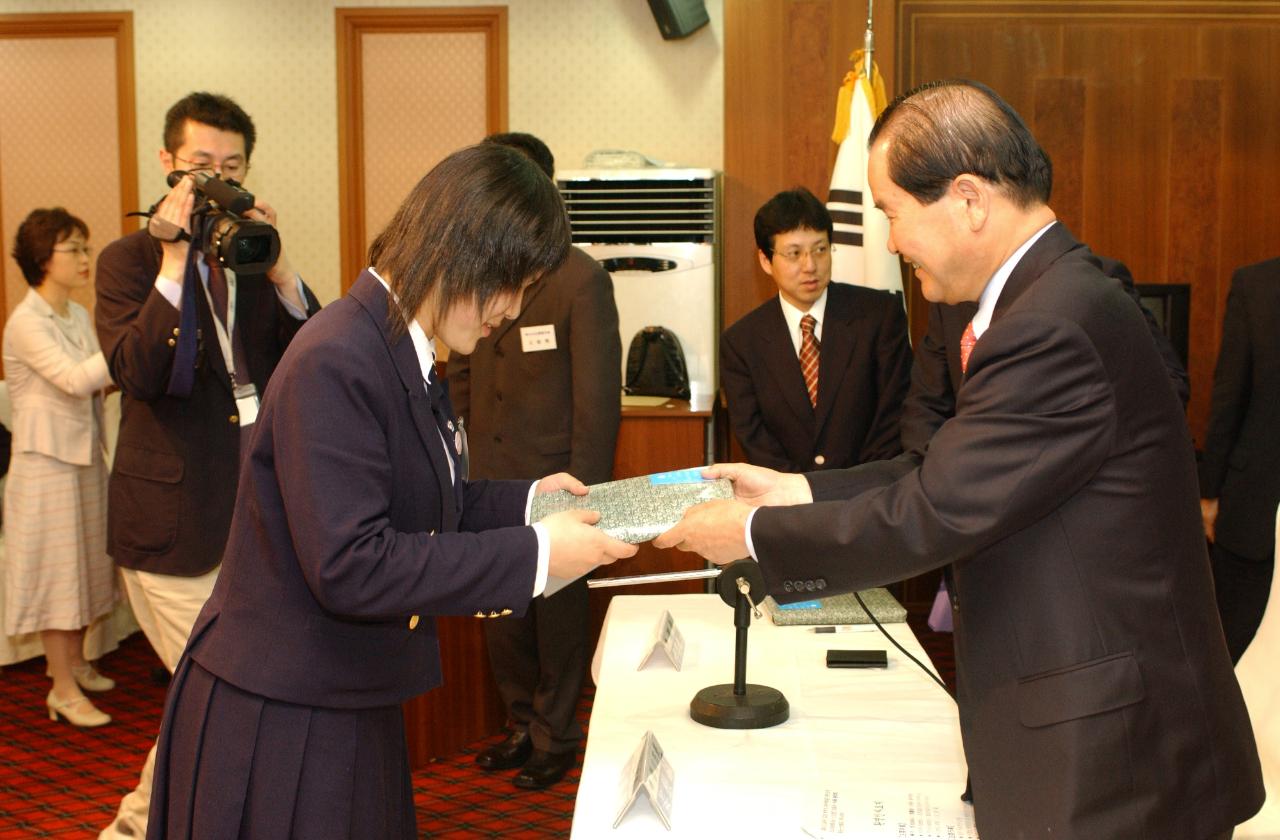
{"x": 718, "y": 707}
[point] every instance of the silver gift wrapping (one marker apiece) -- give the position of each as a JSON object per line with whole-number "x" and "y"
{"x": 634, "y": 510}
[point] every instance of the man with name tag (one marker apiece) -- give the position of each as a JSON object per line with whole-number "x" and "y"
{"x": 566, "y": 341}
{"x": 183, "y": 420}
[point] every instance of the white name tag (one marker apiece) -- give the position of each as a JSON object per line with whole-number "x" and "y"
{"x": 247, "y": 404}
{"x": 541, "y": 337}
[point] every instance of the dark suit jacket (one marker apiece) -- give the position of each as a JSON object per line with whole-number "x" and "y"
{"x": 1240, "y": 465}
{"x": 1095, "y": 692}
{"x": 347, "y": 536}
{"x": 936, "y": 376}
{"x": 173, "y": 482}
{"x": 863, "y": 374}
{"x": 532, "y": 414}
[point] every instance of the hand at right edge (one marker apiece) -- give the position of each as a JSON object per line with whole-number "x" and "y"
{"x": 761, "y": 486}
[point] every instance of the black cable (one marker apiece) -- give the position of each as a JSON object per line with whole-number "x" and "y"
{"x": 905, "y": 653}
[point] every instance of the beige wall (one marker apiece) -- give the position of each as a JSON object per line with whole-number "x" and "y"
{"x": 583, "y": 74}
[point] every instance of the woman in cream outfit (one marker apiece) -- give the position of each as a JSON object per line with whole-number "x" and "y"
{"x": 58, "y": 577}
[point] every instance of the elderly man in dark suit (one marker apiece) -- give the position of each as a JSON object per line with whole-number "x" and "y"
{"x": 565, "y": 340}
{"x": 173, "y": 483}
{"x": 1095, "y": 693}
{"x": 1240, "y": 467}
{"x": 814, "y": 377}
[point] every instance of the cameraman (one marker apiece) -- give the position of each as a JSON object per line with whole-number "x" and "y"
{"x": 173, "y": 483}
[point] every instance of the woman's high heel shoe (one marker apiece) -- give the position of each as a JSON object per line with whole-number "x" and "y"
{"x": 78, "y": 711}
{"x": 90, "y": 680}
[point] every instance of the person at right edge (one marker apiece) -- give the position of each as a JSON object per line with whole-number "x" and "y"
{"x": 566, "y": 340}
{"x": 1240, "y": 464}
{"x": 1096, "y": 697}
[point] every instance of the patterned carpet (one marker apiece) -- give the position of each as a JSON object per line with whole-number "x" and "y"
{"x": 60, "y": 781}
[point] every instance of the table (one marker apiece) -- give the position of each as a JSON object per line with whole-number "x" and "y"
{"x": 873, "y": 734}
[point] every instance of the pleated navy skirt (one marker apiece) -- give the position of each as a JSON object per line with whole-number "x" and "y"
{"x": 231, "y": 764}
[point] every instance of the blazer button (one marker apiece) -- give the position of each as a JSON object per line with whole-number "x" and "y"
{"x": 786, "y": 586}
{"x": 808, "y": 585}
{"x": 173, "y": 342}
{"x": 431, "y": 533}
{"x": 820, "y": 583}
{"x": 506, "y": 612}
{"x": 819, "y": 459}
{"x": 479, "y": 614}
{"x": 493, "y": 614}
{"x": 177, "y": 331}
{"x": 235, "y": 418}
{"x": 413, "y": 622}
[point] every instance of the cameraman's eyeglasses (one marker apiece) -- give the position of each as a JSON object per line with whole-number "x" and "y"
{"x": 230, "y": 170}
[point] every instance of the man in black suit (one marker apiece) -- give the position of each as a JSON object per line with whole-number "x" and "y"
{"x": 1240, "y": 465}
{"x": 1095, "y": 693}
{"x": 173, "y": 482}
{"x": 565, "y": 340}
{"x": 845, "y": 411}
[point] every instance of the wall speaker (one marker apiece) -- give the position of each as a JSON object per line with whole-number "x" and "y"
{"x": 679, "y": 18}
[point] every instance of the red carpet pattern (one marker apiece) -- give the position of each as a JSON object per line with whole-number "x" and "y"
{"x": 60, "y": 781}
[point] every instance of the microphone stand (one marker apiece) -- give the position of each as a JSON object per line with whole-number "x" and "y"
{"x": 740, "y": 705}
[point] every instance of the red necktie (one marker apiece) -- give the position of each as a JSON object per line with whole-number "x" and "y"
{"x": 218, "y": 288}
{"x": 967, "y": 340}
{"x": 220, "y": 294}
{"x": 809, "y": 357}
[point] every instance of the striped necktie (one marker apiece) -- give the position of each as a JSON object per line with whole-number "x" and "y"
{"x": 809, "y": 357}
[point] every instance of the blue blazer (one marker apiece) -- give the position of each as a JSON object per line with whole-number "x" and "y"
{"x": 347, "y": 534}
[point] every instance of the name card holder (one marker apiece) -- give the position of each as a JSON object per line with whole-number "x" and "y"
{"x": 649, "y": 771}
{"x": 667, "y": 638}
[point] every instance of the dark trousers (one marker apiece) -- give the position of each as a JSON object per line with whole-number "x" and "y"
{"x": 1242, "y": 586}
{"x": 539, "y": 663}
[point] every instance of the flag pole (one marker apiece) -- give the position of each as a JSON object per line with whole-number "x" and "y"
{"x": 868, "y": 43}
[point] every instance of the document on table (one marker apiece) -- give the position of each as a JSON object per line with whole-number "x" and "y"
{"x": 925, "y": 811}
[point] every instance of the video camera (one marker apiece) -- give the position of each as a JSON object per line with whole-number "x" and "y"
{"x": 242, "y": 245}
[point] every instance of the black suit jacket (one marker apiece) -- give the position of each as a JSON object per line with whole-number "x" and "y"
{"x": 348, "y": 535}
{"x": 173, "y": 482}
{"x": 532, "y": 414}
{"x": 863, "y": 374}
{"x": 936, "y": 376}
{"x": 1096, "y": 695}
{"x": 1240, "y": 465}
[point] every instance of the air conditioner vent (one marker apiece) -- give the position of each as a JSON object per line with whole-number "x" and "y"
{"x": 638, "y": 211}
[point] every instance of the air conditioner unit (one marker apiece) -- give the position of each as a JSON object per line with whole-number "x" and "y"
{"x": 657, "y": 232}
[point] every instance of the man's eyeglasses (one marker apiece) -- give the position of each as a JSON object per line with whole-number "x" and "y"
{"x": 78, "y": 250}
{"x": 233, "y": 169}
{"x": 816, "y": 253}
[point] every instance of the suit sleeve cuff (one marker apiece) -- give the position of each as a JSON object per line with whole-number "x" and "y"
{"x": 297, "y": 313}
{"x": 544, "y": 558}
{"x": 751, "y": 548}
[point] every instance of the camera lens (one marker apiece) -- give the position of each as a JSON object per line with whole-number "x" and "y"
{"x": 252, "y": 248}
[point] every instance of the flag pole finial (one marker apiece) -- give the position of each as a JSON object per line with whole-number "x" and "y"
{"x": 868, "y": 43}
